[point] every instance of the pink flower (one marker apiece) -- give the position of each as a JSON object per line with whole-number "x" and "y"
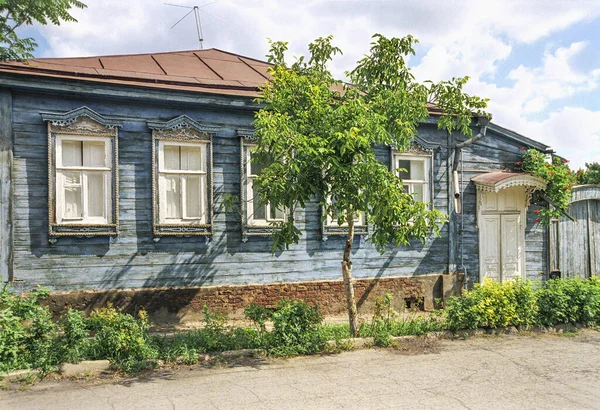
{"x": 537, "y": 211}
{"x": 537, "y": 221}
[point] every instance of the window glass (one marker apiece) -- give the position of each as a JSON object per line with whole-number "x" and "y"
{"x": 258, "y": 210}
{"x": 417, "y": 170}
{"x": 173, "y": 195}
{"x": 276, "y": 213}
{"x": 73, "y": 207}
{"x": 404, "y": 169}
{"x": 192, "y": 197}
{"x": 191, "y": 158}
{"x": 417, "y": 191}
{"x": 71, "y": 154}
{"x": 255, "y": 168}
{"x": 93, "y": 154}
{"x": 171, "y": 157}
{"x": 95, "y": 190}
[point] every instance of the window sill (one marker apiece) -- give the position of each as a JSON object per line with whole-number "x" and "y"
{"x": 83, "y": 229}
{"x": 343, "y": 230}
{"x": 258, "y": 230}
{"x": 182, "y": 229}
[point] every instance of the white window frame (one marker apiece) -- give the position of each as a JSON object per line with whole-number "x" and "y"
{"x": 250, "y": 220}
{"x": 410, "y": 183}
{"x": 84, "y": 171}
{"x": 162, "y": 192}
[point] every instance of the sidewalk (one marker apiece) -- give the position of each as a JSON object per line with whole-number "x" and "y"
{"x": 541, "y": 371}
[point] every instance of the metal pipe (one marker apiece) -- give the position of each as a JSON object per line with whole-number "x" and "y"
{"x": 483, "y": 123}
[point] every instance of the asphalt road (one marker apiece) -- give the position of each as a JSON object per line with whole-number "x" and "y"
{"x": 520, "y": 372}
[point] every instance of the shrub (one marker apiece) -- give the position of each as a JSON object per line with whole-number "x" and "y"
{"x": 295, "y": 329}
{"x": 569, "y": 301}
{"x": 492, "y": 305}
{"x": 383, "y": 316}
{"x": 259, "y": 316}
{"x": 74, "y": 342}
{"x": 121, "y": 338}
{"x": 27, "y": 333}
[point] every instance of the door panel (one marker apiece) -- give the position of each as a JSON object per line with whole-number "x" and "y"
{"x": 489, "y": 248}
{"x": 509, "y": 199}
{"x": 510, "y": 246}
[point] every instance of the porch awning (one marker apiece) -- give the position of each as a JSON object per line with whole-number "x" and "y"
{"x": 495, "y": 181}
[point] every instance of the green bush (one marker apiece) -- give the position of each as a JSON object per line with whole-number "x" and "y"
{"x": 492, "y": 304}
{"x": 74, "y": 342}
{"x": 27, "y": 333}
{"x": 295, "y": 329}
{"x": 121, "y": 338}
{"x": 259, "y": 316}
{"x": 569, "y": 301}
{"x": 383, "y": 317}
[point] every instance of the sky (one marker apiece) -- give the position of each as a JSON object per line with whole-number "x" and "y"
{"x": 537, "y": 61}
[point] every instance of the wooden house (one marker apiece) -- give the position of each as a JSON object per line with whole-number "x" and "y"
{"x": 114, "y": 168}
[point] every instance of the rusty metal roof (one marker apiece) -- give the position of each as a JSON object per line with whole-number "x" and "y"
{"x": 213, "y": 71}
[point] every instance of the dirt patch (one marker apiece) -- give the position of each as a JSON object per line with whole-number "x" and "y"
{"x": 417, "y": 346}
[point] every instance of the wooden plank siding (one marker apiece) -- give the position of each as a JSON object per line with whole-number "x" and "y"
{"x": 134, "y": 260}
{"x": 6, "y": 186}
{"x": 579, "y": 240}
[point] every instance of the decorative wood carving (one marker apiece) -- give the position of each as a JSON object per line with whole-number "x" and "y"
{"x": 181, "y": 129}
{"x": 81, "y": 121}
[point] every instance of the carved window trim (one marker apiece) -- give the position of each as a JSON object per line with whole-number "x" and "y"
{"x": 418, "y": 151}
{"x": 183, "y": 130}
{"x": 81, "y": 122}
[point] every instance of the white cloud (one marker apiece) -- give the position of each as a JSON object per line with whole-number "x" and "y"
{"x": 575, "y": 130}
{"x": 469, "y": 37}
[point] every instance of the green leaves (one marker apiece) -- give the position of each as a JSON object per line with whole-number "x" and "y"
{"x": 591, "y": 175}
{"x": 15, "y": 13}
{"x": 317, "y": 136}
{"x": 560, "y": 180}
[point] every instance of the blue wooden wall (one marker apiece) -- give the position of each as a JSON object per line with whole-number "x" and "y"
{"x": 134, "y": 260}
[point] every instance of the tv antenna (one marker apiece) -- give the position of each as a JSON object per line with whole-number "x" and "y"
{"x": 196, "y": 11}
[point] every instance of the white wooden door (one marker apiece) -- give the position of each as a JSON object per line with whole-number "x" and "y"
{"x": 489, "y": 247}
{"x": 511, "y": 246}
{"x": 501, "y": 234}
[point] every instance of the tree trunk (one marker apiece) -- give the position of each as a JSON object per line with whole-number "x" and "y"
{"x": 347, "y": 274}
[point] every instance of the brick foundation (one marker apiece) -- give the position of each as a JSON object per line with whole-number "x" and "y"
{"x": 185, "y": 304}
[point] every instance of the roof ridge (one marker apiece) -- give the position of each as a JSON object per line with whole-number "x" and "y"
{"x": 149, "y": 54}
{"x": 118, "y": 55}
{"x": 240, "y": 56}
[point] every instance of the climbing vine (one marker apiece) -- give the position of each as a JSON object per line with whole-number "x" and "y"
{"x": 560, "y": 180}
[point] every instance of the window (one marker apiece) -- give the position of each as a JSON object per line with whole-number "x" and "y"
{"x": 82, "y": 174}
{"x": 182, "y": 183}
{"x": 182, "y": 177}
{"x": 83, "y": 180}
{"x": 414, "y": 171}
{"x": 256, "y": 212}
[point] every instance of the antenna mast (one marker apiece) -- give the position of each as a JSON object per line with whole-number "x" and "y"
{"x": 199, "y": 27}
{"x": 196, "y": 11}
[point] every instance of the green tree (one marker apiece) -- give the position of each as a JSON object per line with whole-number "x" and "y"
{"x": 317, "y": 138}
{"x": 591, "y": 175}
{"x": 17, "y": 13}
